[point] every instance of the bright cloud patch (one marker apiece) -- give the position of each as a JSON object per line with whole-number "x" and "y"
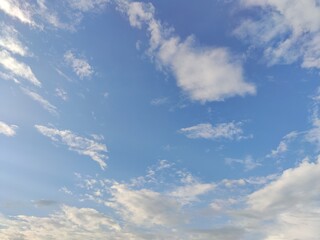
{"x": 205, "y": 74}
{"x": 8, "y": 130}
{"x": 207, "y": 131}
{"x": 17, "y": 68}
{"x": 79, "y": 65}
{"x": 9, "y": 40}
{"x": 84, "y": 146}
{"x": 18, "y": 9}
{"x": 287, "y": 30}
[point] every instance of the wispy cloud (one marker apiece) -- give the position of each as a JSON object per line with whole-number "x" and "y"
{"x": 84, "y": 146}
{"x": 8, "y": 130}
{"x": 43, "y": 102}
{"x": 204, "y": 74}
{"x": 248, "y": 162}
{"x": 231, "y": 130}
{"x": 159, "y": 101}
{"x": 9, "y": 40}
{"x": 19, "y": 10}
{"x": 62, "y": 94}
{"x": 79, "y": 65}
{"x": 18, "y": 68}
{"x": 283, "y": 145}
{"x": 286, "y": 32}
{"x": 87, "y": 5}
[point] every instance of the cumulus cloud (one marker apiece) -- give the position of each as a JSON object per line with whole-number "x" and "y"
{"x": 288, "y": 208}
{"x": 230, "y": 131}
{"x": 79, "y": 65}
{"x": 204, "y": 74}
{"x": 17, "y": 68}
{"x": 8, "y": 130}
{"x": 84, "y": 146}
{"x": 42, "y": 101}
{"x": 288, "y": 31}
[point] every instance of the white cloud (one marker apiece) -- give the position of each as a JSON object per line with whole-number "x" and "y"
{"x": 87, "y": 5}
{"x": 18, "y": 68}
{"x": 20, "y": 10}
{"x": 67, "y": 223}
{"x": 288, "y": 208}
{"x": 207, "y": 131}
{"x": 9, "y": 40}
{"x": 79, "y": 65}
{"x": 288, "y": 31}
{"x": 43, "y": 102}
{"x": 62, "y": 94}
{"x": 204, "y": 74}
{"x": 84, "y": 146}
{"x": 283, "y": 145}
{"x": 8, "y": 130}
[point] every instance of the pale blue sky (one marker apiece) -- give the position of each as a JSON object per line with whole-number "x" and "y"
{"x": 159, "y": 119}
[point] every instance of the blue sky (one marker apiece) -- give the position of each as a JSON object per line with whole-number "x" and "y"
{"x": 159, "y": 119}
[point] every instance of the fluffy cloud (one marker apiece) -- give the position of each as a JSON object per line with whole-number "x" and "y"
{"x": 207, "y": 131}
{"x": 288, "y": 31}
{"x": 17, "y": 68}
{"x": 84, "y": 146}
{"x": 67, "y": 223}
{"x": 43, "y": 102}
{"x": 204, "y": 74}
{"x": 8, "y": 130}
{"x": 288, "y": 208}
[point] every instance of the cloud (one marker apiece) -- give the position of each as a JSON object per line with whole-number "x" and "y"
{"x": 229, "y": 131}
{"x": 159, "y": 101}
{"x": 8, "y": 130}
{"x": 44, "y": 203}
{"x": 283, "y": 145}
{"x": 9, "y": 40}
{"x": 19, "y": 10}
{"x": 17, "y": 68}
{"x": 248, "y": 162}
{"x": 84, "y": 146}
{"x": 43, "y": 102}
{"x": 67, "y": 223}
{"x": 288, "y": 208}
{"x": 287, "y": 31}
{"x": 62, "y": 94}
{"x": 87, "y": 5}
{"x": 204, "y": 74}
{"x": 80, "y": 66}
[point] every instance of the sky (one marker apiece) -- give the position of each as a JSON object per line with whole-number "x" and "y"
{"x": 171, "y": 119}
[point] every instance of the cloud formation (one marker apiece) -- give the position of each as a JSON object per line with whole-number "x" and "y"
{"x": 229, "y": 131}
{"x": 17, "y": 68}
{"x": 42, "y": 101}
{"x": 84, "y": 146}
{"x": 287, "y": 31}
{"x": 8, "y": 130}
{"x": 204, "y": 74}
{"x": 79, "y": 65}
